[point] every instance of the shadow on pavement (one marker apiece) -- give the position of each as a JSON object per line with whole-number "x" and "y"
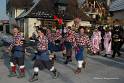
{"x": 107, "y": 62}
{"x": 6, "y": 58}
{"x": 61, "y": 61}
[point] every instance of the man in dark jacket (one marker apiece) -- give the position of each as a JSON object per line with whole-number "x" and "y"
{"x": 117, "y": 40}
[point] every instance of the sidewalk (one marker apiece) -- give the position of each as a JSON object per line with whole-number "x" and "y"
{"x": 1, "y": 53}
{"x": 122, "y": 49}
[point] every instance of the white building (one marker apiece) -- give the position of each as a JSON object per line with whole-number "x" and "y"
{"x": 15, "y": 9}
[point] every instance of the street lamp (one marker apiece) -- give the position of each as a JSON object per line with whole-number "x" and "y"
{"x": 61, "y": 6}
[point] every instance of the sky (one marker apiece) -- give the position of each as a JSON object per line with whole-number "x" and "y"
{"x": 2, "y": 9}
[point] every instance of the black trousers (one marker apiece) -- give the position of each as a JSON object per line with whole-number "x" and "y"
{"x": 17, "y": 60}
{"x": 42, "y": 64}
{"x": 116, "y": 46}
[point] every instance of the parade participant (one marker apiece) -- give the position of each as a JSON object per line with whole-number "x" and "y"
{"x": 69, "y": 40}
{"x": 116, "y": 41}
{"x": 81, "y": 41}
{"x": 17, "y": 57}
{"x": 64, "y": 32}
{"x": 107, "y": 42}
{"x": 57, "y": 40}
{"x": 42, "y": 59}
{"x": 51, "y": 45}
{"x": 96, "y": 40}
{"x": 34, "y": 34}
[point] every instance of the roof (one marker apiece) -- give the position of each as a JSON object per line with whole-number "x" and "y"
{"x": 24, "y": 14}
{"x": 46, "y": 9}
{"x": 117, "y": 5}
{"x": 20, "y": 3}
{"x": 39, "y": 9}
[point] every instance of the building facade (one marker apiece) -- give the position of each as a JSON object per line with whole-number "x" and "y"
{"x": 30, "y": 13}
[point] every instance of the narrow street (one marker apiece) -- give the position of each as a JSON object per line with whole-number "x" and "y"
{"x": 98, "y": 70}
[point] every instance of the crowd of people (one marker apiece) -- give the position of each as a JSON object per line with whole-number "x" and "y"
{"x": 109, "y": 39}
{"x": 65, "y": 40}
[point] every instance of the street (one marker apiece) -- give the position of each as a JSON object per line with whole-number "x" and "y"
{"x": 98, "y": 70}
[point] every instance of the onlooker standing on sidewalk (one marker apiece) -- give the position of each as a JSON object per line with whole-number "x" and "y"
{"x": 96, "y": 40}
{"x": 116, "y": 41}
{"x": 107, "y": 42}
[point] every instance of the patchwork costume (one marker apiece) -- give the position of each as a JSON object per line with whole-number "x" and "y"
{"x": 42, "y": 59}
{"x": 81, "y": 41}
{"x": 57, "y": 41}
{"x": 69, "y": 40}
{"x": 17, "y": 57}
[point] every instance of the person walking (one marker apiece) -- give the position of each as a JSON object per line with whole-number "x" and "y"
{"x": 42, "y": 58}
{"x": 69, "y": 40}
{"x": 81, "y": 41}
{"x": 17, "y": 58}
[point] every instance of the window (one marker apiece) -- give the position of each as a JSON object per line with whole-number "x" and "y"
{"x": 1, "y": 27}
{"x": 61, "y": 8}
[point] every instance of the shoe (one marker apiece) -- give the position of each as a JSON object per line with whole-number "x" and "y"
{"x": 119, "y": 54}
{"x": 21, "y": 75}
{"x": 33, "y": 78}
{"x": 84, "y": 64}
{"x": 55, "y": 74}
{"x": 94, "y": 54}
{"x": 54, "y": 57}
{"x": 70, "y": 60}
{"x": 98, "y": 53}
{"x": 66, "y": 62}
{"x": 64, "y": 56}
{"x": 113, "y": 56}
{"x": 12, "y": 74}
{"x": 105, "y": 55}
{"x": 78, "y": 71}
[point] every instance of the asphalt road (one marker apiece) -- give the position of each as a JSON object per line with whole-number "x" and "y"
{"x": 98, "y": 70}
